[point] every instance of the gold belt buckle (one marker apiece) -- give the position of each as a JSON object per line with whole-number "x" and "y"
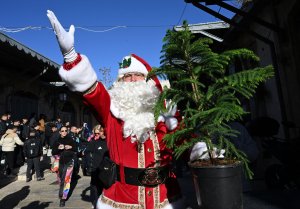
{"x": 151, "y": 177}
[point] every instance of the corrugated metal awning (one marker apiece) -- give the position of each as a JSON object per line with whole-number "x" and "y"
{"x": 21, "y": 59}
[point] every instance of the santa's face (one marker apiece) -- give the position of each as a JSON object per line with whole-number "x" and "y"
{"x": 133, "y": 77}
{"x": 133, "y": 102}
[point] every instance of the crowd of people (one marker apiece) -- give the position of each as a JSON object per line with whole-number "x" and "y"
{"x": 29, "y": 140}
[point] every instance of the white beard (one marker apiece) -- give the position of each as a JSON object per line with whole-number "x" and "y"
{"x": 133, "y": 102}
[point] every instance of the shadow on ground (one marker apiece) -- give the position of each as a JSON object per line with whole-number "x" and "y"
{"x": 12, "y": 200}
{"x": 37, "y": 204}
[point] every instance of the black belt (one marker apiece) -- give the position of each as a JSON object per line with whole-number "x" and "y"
{"x": 148, "y": 177}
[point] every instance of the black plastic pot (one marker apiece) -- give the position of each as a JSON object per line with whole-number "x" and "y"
{"x": 218, "y": 187}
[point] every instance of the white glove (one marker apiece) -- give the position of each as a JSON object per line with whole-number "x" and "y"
{"x": 65, "y": 39}
{"x": 168, "y": 117}
{"x": 199, "y": 151}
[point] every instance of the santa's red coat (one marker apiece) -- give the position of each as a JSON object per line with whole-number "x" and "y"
{"x": 153, "y": 153}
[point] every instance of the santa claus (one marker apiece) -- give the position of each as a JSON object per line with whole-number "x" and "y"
{"x": 134, "y": 138}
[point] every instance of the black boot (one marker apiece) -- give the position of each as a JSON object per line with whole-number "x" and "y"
{"x": 62, "y": 203}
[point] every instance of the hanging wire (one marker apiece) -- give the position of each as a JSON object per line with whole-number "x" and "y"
{"x": 87, "y": 28}
{"x": 16, "y": 30}
{"x": 101, "y": 31}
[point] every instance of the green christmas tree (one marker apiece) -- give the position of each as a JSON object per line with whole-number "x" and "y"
{"x": 208, "y": 98}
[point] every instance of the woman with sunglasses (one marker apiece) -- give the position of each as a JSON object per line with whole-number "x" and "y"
{"x": 66, "y": 148}
{"x": 95, "y": 152}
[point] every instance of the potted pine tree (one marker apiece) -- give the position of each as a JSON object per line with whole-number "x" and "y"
{"x": 208, "y": 99}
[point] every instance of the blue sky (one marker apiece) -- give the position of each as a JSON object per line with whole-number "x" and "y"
{"x": 146, "y": 24}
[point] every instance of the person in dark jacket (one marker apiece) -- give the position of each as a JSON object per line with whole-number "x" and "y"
{"x": 96, "y": 150}
{"x": 33, "y": 151}
{"x": 19, "y": 154}
{"x": 52, "y": 141}
{"x": 3, "y": 124}
{"x": 74, "y": 135}
{"x": 66, "y": 148}
{"x": 54, "y": 136}
{"x": 24, "y": 129}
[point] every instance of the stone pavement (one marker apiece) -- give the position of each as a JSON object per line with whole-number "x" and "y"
{"x": 43, "y": 194}
{"x": 15, "y": 193}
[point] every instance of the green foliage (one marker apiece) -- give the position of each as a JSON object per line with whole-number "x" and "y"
{"x": 208, "y": 97}
{"x": 125, "y": 63}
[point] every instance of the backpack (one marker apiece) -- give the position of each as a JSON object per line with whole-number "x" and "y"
{"x": 33, "y": 148}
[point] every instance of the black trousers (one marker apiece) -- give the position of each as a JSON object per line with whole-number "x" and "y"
{"x": 19, "y": 156}
{"x": 96, "y": 187}
{"x": 96, "y": 182}
{"x": 9, "y": 161}
{"x": 33, "y": 163}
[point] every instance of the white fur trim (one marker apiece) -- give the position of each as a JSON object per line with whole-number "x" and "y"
{"x": 102, "y": 205}
{"x": 135, "y": 67}
{"x": 114, "y": 110}
{"x": 81, "y": 77}
{"x": 179, "y": 204}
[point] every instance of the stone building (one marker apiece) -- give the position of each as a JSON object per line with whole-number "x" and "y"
{"x": 29, "y": 83}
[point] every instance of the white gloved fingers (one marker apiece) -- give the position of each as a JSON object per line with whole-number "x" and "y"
{"x": 221, "y": 153}
{"x": 171, "y": 108}
{"x": 50, "y": 17}
{"x": 57, "y": 27}
{"x": 65, "y": 39}
{"x": 171, "y": 123}
{"x": 199, "y": 151}
{"x": 161, "y": 118}
{"x": 72, "y": 30}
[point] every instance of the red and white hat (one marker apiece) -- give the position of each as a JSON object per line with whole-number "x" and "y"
{"x": 130, "y": 64}
{"x": 135, "y": 64}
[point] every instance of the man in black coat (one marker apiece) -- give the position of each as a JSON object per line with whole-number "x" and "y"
{"x": 3, "y": 124}
{"x": 33, "y": 151}
{"x": 24, "y": 129}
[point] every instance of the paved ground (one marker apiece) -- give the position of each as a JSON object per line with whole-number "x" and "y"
{"x": 15, "y": 193}
{"x": 43, "y": 194}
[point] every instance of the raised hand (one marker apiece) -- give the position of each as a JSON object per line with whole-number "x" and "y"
{"x": 65, "y": 39}
{"x": 168, "y": 117}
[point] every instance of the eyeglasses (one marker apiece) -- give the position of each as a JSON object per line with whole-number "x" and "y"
{"x": 97, "y": 133}
{"x": 63, "y": 130}
{"x": 129, "y": 75}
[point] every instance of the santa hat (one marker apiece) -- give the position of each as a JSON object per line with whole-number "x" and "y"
{"x": 135, "y": 64}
